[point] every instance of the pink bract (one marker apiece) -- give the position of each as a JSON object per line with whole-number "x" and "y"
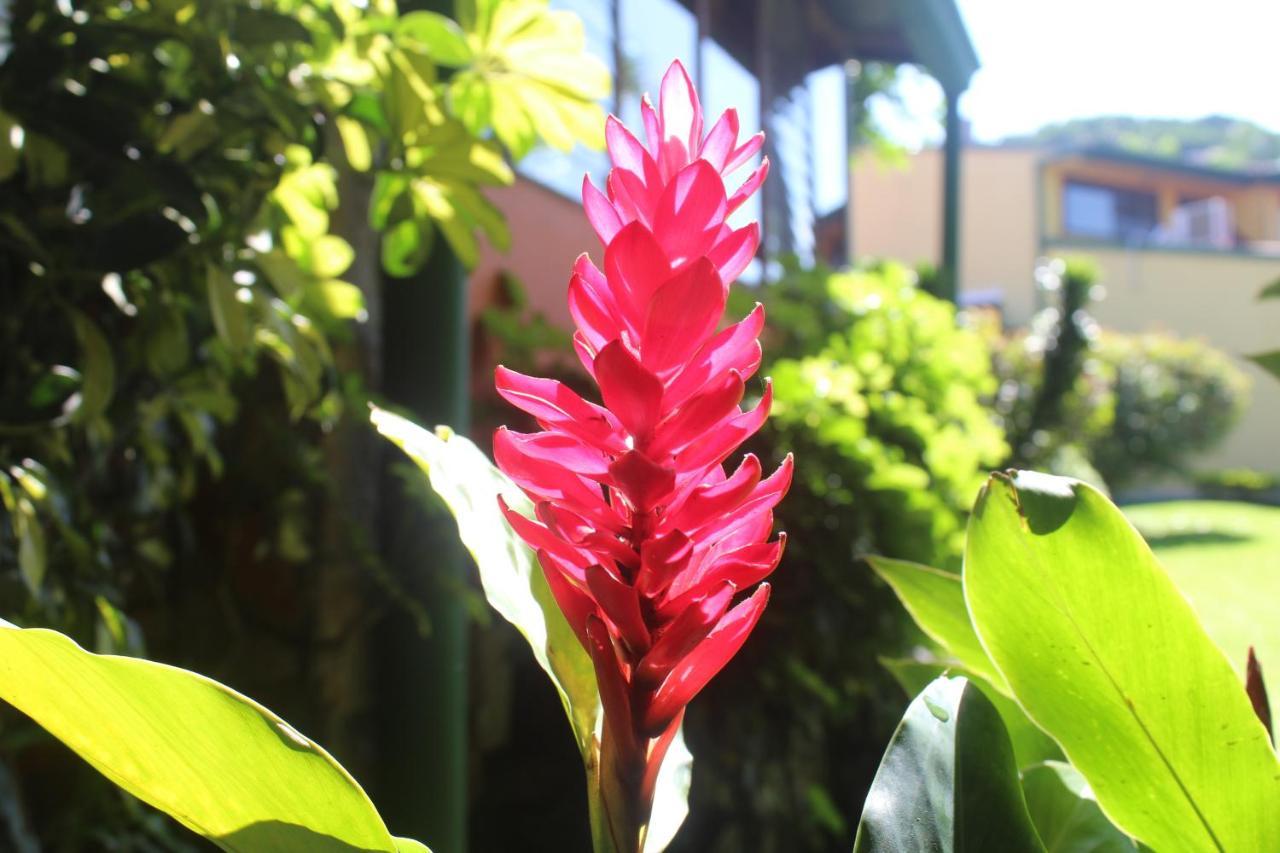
{"x": 647, "y": 543}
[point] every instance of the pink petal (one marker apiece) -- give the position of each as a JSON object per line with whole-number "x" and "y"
{"x": 743, "y": 568}
{"x": 734, "y": 348}
{"x": 714, "y": 446}
{"x": 630, "y": 390}
{"x": 635, "y": 267}
{"x": 744, "y": 152}
{"x": 661, "y": 560}
{"x": 557, "y": 448}
{"x": 600, "y": 213}
{"x": 701, "y": 665}
{"x": 683, "y": 633}
{"x": 575, "y": 604}
{"x": 614, "y": 693}
{"x": 554, "y": 404}
{"x": 700, "y": 416}
{"x": 720, "y": 140}
{"x": 644, "y": 482}
{"x": 690, "y": 212}
{"x": 619, "y": 603}
{"x": 681, "y": 117}
{"x": 540, "y": 538}
{"x": 684, "y": 310}
{"x": 625, "y": 150}
{"x": 732, "y": 254}
{"x": 749, "y": 186}
{"x": 713, "y": 500}
{"x": 652, "y": 126}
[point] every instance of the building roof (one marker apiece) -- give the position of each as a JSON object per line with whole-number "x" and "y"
{"x": 929, "y": 33}
{"x": 1111, "y": 154}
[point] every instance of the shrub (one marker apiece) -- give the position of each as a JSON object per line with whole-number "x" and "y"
{"x": 1172, "y": 399}
{"x": 879, "y": 395}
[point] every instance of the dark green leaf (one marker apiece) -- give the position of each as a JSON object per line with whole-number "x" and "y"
{"x": 947, "y": 782}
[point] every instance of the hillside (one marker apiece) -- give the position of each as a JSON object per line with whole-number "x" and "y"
{"x": 1212, "y": 141}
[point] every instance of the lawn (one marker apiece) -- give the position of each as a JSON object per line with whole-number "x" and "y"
{"x": 1225, "y": 557}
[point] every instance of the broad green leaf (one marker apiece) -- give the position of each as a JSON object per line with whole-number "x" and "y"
{"x": 935, "y": 600}
{"x": 216, "y": 761}
{"x": 1105, "y": 655}
{"x": 1030, "y": 744}
{"x": 947, "y": 782}
{"x": 541, "y": 82}
{"x": 341, "y": 299}
{"x": 440, "y": 37}
{"x": 1065, "y": 813}
{"x": 470, "y": 486}
{"x": 1268, "y": 361}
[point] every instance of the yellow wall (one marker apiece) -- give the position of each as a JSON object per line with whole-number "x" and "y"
{"x": 897, "y": 213}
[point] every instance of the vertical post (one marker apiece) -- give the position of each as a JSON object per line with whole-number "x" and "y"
{"x": 702, "y": 13}
{"x": 422, "y": 670}
{"x": 948, "y": 280}
{"x": 764, "y": 74}
{"x": 852, "y": 108}
{"x": 422, "y": 737}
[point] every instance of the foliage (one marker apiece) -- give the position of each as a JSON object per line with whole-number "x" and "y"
{"x": 885, "y": 409}
{"x": 1270, "y": 360}
{"x": 516, "y": 587}
{"x": 1172, "y": 398}
{"x": 948, "y": 780}
{"x": 176, "y": 227}
{"x": 1081, "y": 622}
{"x": 1095, "y": 403}
{"x": 1238, "y": 484}
{"x": 221, "y": 764}
{"x": 1229, "y": 143}
{"x": 877, "y": 393}
{"x": 1044, "y": 414}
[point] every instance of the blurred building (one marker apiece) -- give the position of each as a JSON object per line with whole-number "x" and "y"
{"x": 782, "y": 64}
{"x": 1180, "y": 248}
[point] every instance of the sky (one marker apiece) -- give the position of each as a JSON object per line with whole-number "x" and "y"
{"x": 1046, "y": 61}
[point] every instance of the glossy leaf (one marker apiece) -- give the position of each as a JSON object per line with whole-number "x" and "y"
{"x": 947, "y": 782}
{"x": 98, "y": 368}
{"x": 530, "y": 76}
{"x": 439, "y": 37}
{"x": 216, "y": 761}
{"x": 514, "y": 584}
{"x": 935, "y": 600}
{"x": 1065, "y": 813}
{"x": 1106, "y": 656}
{"x": 1030, "y": 744}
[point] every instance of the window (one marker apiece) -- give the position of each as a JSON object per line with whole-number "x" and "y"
{"x": 1107, "y": 213}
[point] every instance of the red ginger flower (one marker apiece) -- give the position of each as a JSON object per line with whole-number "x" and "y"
{"x": 645, "y": 541}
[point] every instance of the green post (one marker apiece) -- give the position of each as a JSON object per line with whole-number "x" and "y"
{"x": 948, "y": 279}
{"x": 422, "y": 678}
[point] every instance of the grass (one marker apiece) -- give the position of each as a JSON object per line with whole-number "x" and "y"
{"x": 1225, "y": 557}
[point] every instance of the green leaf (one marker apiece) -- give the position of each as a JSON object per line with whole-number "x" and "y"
{"x": 340, "y": 299}
{"x": 1030, "y": 744}
{"x": 947, "y": 782}
{"x": 440, "y": 37}
{"x": 99, "y": 374}
{"x": 219, "y": 763}
{"x": 229, "y": 316}
{"x": 355, "y": 142}
{"x": 935, "y": 600}
{"x": 513, "y": 582}
{"x": 1106, "y": 655}
{"x": 1271, "y": 291}
{"x": 1268, "y": 361}
{"x": 532, "y": 75}
{"x": 1065, "y": 813}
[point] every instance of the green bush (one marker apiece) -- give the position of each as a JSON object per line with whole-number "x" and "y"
{"x": 1238, "y": 484}
{"x": 1171, "y": 399}
{"x": 879, "y": 396}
